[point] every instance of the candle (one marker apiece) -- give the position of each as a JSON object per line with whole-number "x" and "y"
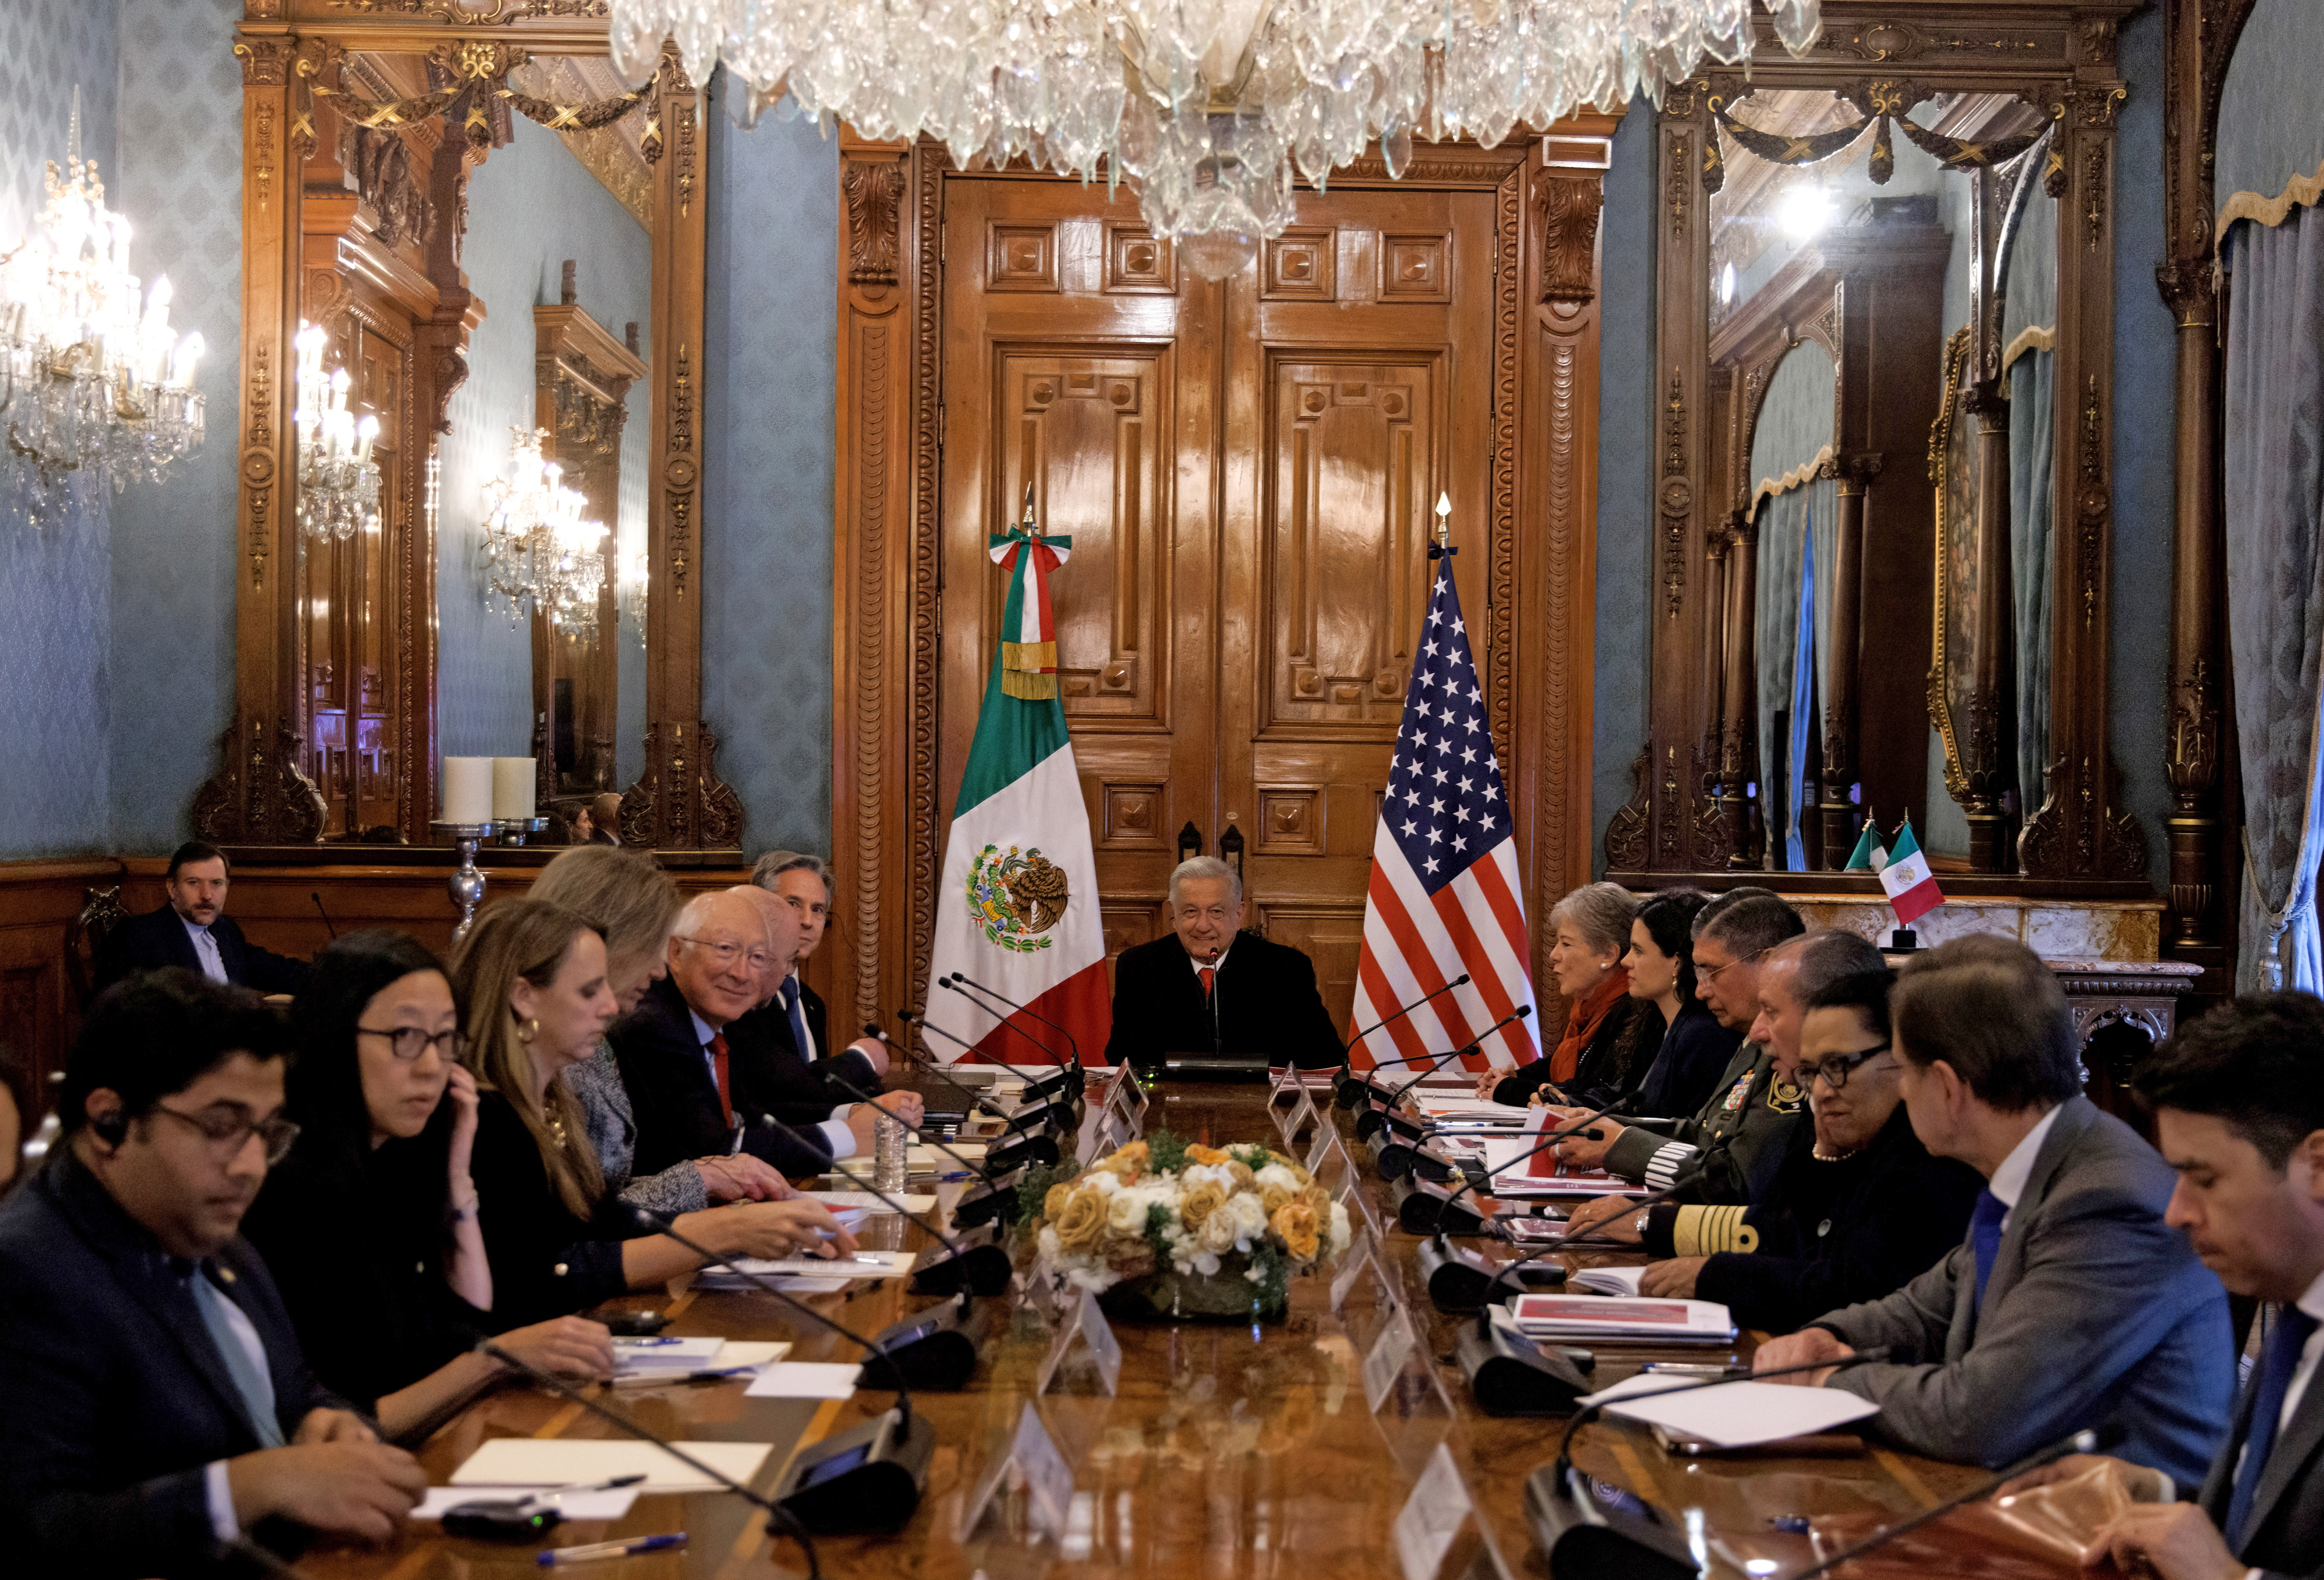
{"x": 467, "y": 789}
{"x": 512, "y": 781}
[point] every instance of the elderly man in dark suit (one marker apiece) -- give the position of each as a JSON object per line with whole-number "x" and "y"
{"x": 154, "y": 1404}
{"x": 2238, "y": 1105}
{"x": 2071, "y": 1303}
{"x": 194, "y": 932}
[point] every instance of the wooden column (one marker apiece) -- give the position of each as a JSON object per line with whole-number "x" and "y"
{"x": 1739, "y": 734}
{"x": 1989, "y": 740}
{"x": 679, "y": 803}
{"x": 1838, "y": 815}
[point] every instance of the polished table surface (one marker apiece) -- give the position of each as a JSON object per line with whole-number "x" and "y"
{"x": 1227, "y": 1450}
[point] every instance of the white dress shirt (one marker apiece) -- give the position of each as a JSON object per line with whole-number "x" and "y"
{"x": 206, "y": 949}
{"x": 833, "y": 1130}
{"x": 2009, "y": 1182}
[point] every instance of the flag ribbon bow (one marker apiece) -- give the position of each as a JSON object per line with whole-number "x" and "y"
{"x": 1028, "y": 626}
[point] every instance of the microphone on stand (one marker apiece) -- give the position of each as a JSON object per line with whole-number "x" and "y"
{"x": 960, "y": 983}
{"x": 985, "y": 1270}
{"x": 1054, "y": 1115}
{"x": 867, "y": 1478}
{"x": 1353, "y": 1086}
{"x": 977, "y": 1101}
{"x": 996, "y": 1200}
{"x": 1586, "y": 1527}
{"x": 1457, "y": 1278}
{"x": 1372, "y": 1119}
{"x": 316, "y": 896}
{"x": 1044, "y": 1086}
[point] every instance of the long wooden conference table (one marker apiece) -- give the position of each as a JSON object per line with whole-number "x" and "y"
{"x": 1226, "y": 1451}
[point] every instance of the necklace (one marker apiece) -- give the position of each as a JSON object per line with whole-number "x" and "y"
{"x": 1821, "y": 1156}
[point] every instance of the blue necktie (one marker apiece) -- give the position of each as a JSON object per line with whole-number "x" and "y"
{"x": 798, "y": 1020}
{"x": 249, "y": 1379}
{"x": 2276, "y": 1365}
{"x": 1985, "y": 1235}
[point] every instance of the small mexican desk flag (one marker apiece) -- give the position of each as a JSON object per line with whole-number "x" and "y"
{"x": 1870, "y": 855}
{"x": 1911, "y": 886}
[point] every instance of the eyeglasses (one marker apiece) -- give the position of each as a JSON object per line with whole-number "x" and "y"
{"x": 1712, "y": 974}
{"x": 1834, "y": 1071}
{"x": 409, "y": 1043}
{"x": 227, "y": 1135}
{"x": 727, "y": 954}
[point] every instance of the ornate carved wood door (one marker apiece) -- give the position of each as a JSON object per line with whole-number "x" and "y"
{"x": 1247, "y": 470}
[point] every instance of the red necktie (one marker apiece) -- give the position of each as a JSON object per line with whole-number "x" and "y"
{"x": 1208, "y": 974}
{"x": 718, "y": 1064}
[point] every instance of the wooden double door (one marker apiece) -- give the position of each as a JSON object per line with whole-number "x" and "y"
{"x": 1248, "y": 471}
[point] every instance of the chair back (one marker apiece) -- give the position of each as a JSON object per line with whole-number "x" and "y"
{"x": 101, "y": 912}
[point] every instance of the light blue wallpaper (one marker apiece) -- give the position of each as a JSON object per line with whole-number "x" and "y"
{"x": 1626, "y": 398}
{"x": 173, "y": 550}
{"x": 2269, "y": 130}
{"x": 770, "y": 375}
{"x": 55, "y": 591}
{"x": 2146, "y": 359}
{"x": 532, "y": 206}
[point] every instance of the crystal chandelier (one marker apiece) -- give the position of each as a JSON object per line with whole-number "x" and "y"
{"x": 538, "y": 548}
{"x": 1210, "y": 106}
{"x": 338, "y": 487}
{"x": 93, "y": 382}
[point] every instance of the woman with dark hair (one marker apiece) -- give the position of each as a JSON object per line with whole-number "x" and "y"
{"x": 1695, "y": 1048}
{"x": 370, "y": 1226}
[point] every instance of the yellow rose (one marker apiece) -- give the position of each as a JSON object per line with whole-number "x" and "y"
{"x": 1273, "y": 1197}
{"x": 1318, "y": 1201}
{"x": 1130, "y": 1161}
{"x": 1199, "y": 1153}
{"x": 1080, "y": 1222}
{"x": 1198, "y": 1201}
{"x": 1302, "y": 1176}
{"x": 1053, "y": 1204}
{"x": 1295, "y": 1223}
{"x": 1240, "y": 1173}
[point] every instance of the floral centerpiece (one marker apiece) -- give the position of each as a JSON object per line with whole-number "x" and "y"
{"x": 1166, "y": 1228}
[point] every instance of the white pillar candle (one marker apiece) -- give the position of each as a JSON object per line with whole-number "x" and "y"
{"x": 467, "y": 789}
{"x": 512, "y": 780}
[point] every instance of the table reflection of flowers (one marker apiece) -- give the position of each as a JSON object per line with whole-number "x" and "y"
{"x": 1171, "y": 1228}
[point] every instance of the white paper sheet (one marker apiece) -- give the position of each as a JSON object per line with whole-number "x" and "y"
{"x": 1608, "y": 1281}
{"x": 1737, "y": 1415}
{"x": 871, "y": 1204}
{"x": 806, "y": 1379}
{"x": 533, "y": 1462}
{"x": 884, "y": 1264}
{"x": 606, "y": 1505}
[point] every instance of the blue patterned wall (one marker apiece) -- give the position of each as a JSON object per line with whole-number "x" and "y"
{"x": 532, "y": 206}
{"x": 769, "y": 383}
{"x": 55, "y": 593}
{"x": 173, "y": 548}
{"x": 1626, "y": 398}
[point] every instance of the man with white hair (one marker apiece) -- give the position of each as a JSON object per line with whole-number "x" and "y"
{"x": 1211, "y": 989}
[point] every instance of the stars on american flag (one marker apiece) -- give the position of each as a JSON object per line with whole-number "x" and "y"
{"x": 1444, "y": 805}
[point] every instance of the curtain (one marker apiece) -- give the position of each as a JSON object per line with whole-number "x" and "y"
{"x": 2031, "y": 414}
{"x": 1783, "y": 522}
{"x": 2272, "y": 446}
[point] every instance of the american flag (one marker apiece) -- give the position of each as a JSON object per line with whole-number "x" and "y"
{"x": 1444, "y": 896}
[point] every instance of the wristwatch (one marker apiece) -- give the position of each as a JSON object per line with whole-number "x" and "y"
{"x": 1640, "y": 1224}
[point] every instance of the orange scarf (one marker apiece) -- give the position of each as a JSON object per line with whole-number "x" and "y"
{"x": 1583, "y": 1022}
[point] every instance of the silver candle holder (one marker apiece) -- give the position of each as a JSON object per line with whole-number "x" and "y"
{"x": 467, "y": 883}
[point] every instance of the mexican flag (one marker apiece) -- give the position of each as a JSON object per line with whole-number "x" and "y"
{"x": 1017, "y": 900}
{"x": 1870, "y": 855}
{"x": 1911, "y": 886}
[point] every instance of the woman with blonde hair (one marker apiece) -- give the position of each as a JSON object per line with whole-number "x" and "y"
{"x": 533, "y": 976}
{"x": 630, "y": 900}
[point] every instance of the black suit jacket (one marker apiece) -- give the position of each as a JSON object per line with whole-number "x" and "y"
{"x": 2286, "y": 1533}
{"x": 113, "y": 1398}
{"x": 159, "y": 938}
{"x": 775, "y": 1076}
{"x": 674, "y": 1099}
{"x": 1263, "y": 1005}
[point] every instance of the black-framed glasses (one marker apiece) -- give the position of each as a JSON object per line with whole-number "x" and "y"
{"x": 409, "y": 1043}
{"x": 1834, "y": 1069}
{"x": 229, "y": 1134}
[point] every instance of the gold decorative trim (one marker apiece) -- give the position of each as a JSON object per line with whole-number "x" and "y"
{"x": 2032, "y": 337}
{"x": 2300, "y": 192}
{"x": 1806, "y": 471}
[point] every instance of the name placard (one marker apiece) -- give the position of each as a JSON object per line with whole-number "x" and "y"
{"x": 1438, "y": 1535}
{"x": 1034, "y": 1460}
{"x": 1387, "y": 1359}
{"x": 1083, "y": 1329}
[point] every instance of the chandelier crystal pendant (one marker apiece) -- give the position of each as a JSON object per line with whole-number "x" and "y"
{"x": 540, "y": 549}
{"x": 1208, "y": 105}
{"x": 338, "y": 486}
{"x": 95, "y": 386}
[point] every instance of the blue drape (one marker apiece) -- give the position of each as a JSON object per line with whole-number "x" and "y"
{"x": 2272, "y": 446}
{"x": 2032, "y": 416}
{"x": 1786, "y": 521}
{"x": 1804, "y": 671}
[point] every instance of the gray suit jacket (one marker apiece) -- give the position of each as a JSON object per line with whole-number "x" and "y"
{"x": 2096, "y": 1312}
{"x": 2286, "y": 1535}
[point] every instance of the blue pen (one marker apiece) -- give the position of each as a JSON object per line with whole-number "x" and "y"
{"x": 611, "y": 1549}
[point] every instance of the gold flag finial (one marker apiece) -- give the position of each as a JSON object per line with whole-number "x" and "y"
{"x": 1029, "y": 503}
{"x": 1443, "y": 520}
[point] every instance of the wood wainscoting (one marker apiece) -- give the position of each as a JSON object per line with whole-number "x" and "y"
{"x": 280, "y": 906}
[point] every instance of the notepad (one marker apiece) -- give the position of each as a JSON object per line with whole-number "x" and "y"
{"x": 533, "y": 1462}
{"x": 610, "y": 1503}
{"x": 806, "y": 1379}
{"x": 1598, "y": 1316}
{"x": 1734, "y": 1415}
{"x": 1606, "y": 1280}
{"x": 869, "y": 1203}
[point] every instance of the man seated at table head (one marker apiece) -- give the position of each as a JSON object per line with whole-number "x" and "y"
{"x": 193, "y": 930}
{"x": 1213, "y": 989}
{"x": 153, "y": 1403}
{"x": 771, "y": 1077}
{"x": 676, "y": 1061}
{"x": 1743, "y": 952}
{"x": 2238, "y": 1104}
{"x": 2071, "y": 1303}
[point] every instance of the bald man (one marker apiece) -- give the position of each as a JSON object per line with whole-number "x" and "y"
{"x": 674, "y": 1055}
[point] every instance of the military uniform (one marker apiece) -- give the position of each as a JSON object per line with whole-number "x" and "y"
{"x": 1741, "y": 1136}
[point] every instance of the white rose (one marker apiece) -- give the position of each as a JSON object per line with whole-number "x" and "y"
{"x": 1250, "y": 1216}
{"x": 1104, "y": 1182}
{"x": 1050, "y": 1250}
{"x": 1125, "y": 1213}
{"x": 1342, "y": 1232}
{"x": 1216, "y": 1173}
{"x": 1217, "y": 1233}
{"x": 1281, "y": 1178}
{"x": 1206, "y": 1263}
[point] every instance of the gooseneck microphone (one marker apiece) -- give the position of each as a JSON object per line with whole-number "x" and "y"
{"x": 964, "y": 979}
{"x": 1354, "y": 1086}
{"x": 977, "y": 1101}
{"x": 1364, "y": 1130}
{"x": 775, "y": 1512}
{"x": 1469, "y": 1182}
{"x": 317, "y": 896}
{"x": 1044, "y": 1087}
{"x": 1457, "y": 1278}
{"x": 1072, "y": 1072}
{"x": 985, "y": 1269}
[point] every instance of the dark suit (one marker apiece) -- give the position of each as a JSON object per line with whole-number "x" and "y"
{"x": 113, "y": 1397}
{"x": 775, "y": 1076}
{"x": 159, "y": 938}
{"x": 2284, "y": 1534}
{"x": 675, "y": 1099}
{"x": 2095, "y": 1312}
{"x": 1263, "y": 1005}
